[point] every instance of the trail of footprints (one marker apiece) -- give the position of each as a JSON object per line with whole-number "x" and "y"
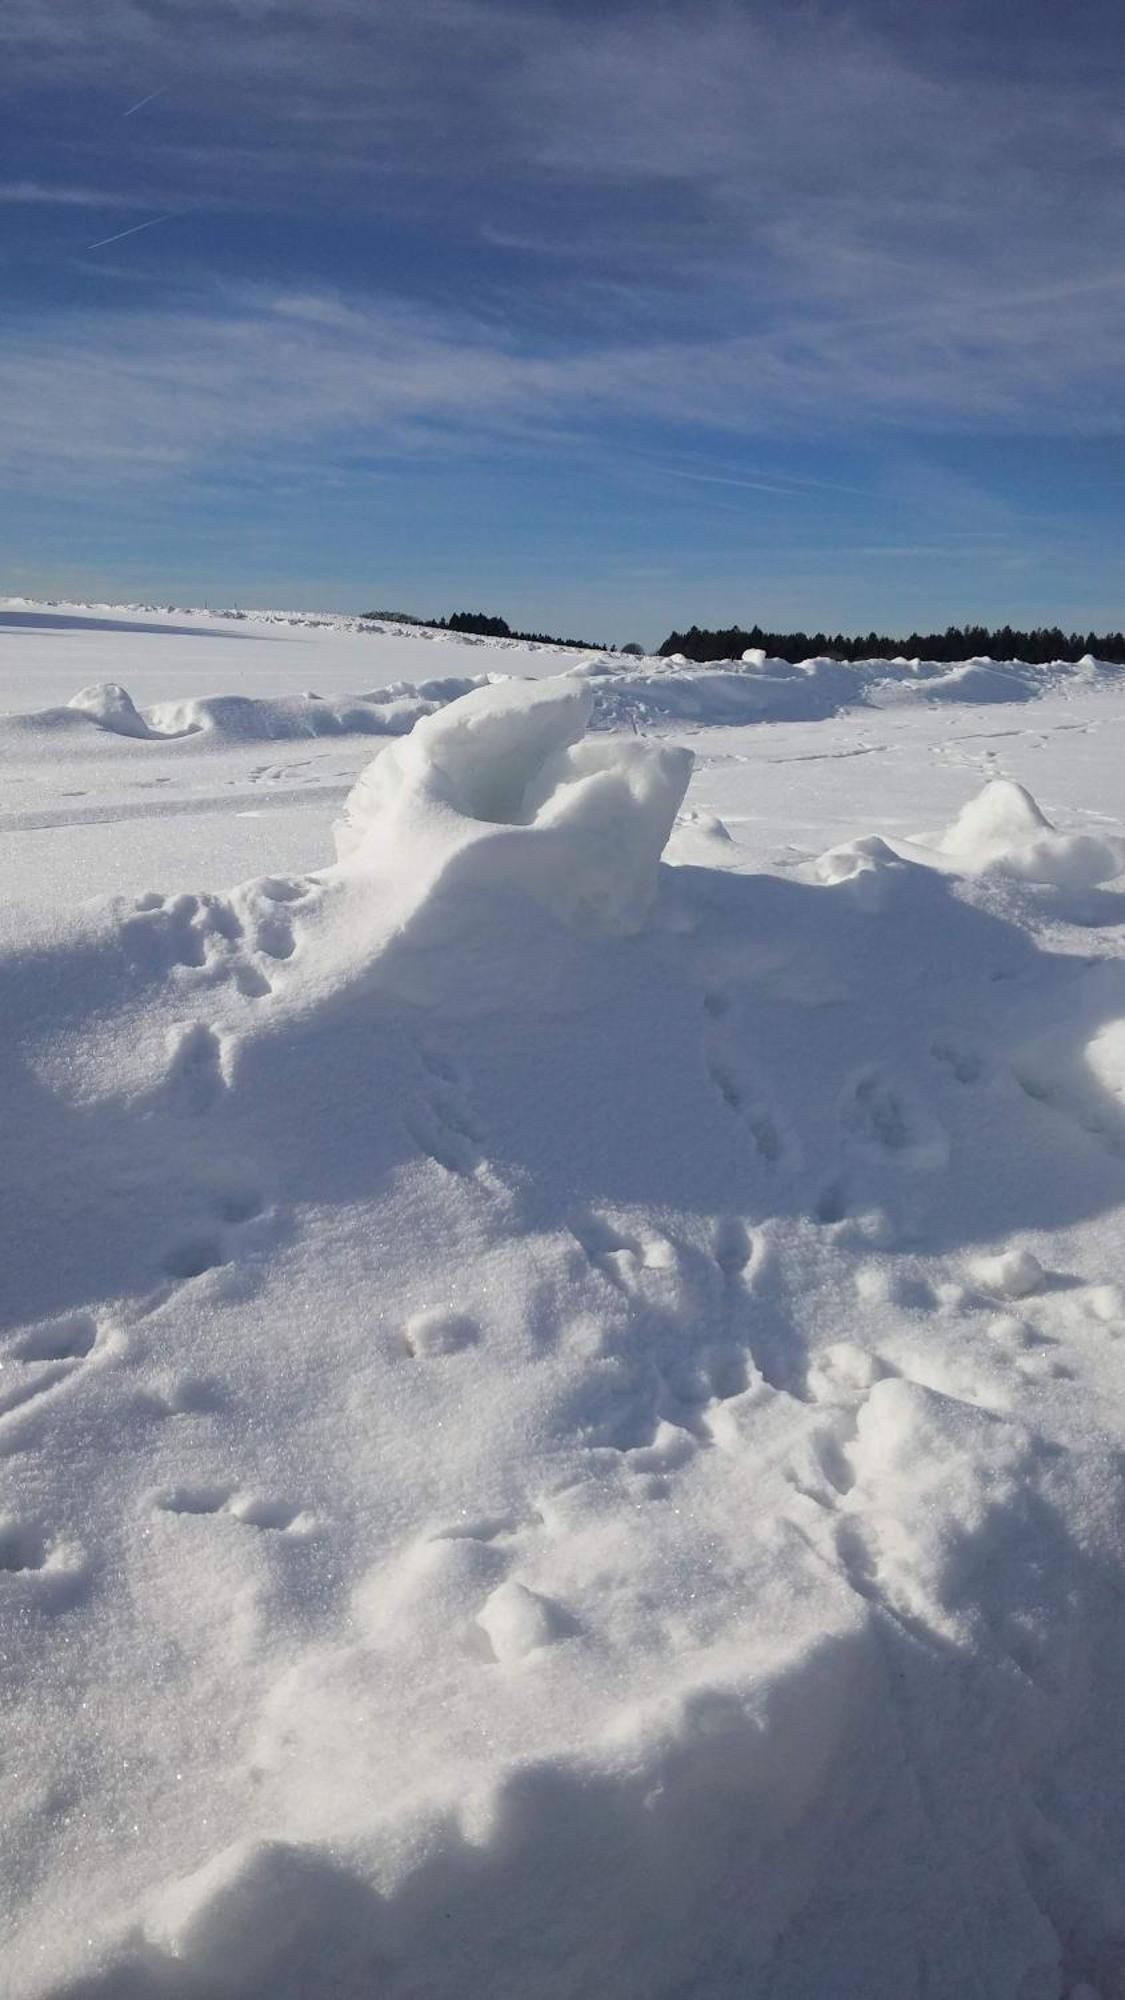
{"x": 254, "y": 1510}
{"x": 877, "y": 1117}
{"x": 36, "y": 1368}
{"x": 207, "y": 934}
{"x": 732, "y": 1080}
{"x": 442, "y": 1124}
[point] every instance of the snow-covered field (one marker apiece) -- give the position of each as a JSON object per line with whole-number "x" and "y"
{"x": 562, "y": 1419}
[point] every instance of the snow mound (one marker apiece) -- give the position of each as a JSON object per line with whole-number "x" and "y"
{"x": 1001, "y": 833}
{"x": 234, "y": 718}
{"x": 504, "y": 782}
{"x": 1004, "y": 829}
{"x": 1014, "y": 1274}
{"x": 110, "y": 707}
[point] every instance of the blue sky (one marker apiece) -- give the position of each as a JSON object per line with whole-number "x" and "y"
{"x": 608, "y": 317}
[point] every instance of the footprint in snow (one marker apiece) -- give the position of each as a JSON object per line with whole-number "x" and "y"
{"x": 254, "y": 1510}
{"x": 184, "y": 930}
{"x": 193, "y": 1255}
{"x": 881, "y": 1118}
{"x": 31, "y": 1560}
{"x": 965, "y": 1063}
{"x": 759, "y": 1342}
{"x": 236, "y": 1202}
{"x": 622, "y": 1259}
{"x": 196, "y": 1072}
{"x": 734, "y": 1082}
{"x": 186, "y": 1396}
{"x": 431, "y": 1334}
{"x": 442, "y": 1124}
{"x": 46, "y": 1357}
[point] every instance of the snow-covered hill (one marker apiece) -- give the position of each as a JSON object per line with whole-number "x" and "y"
{"x": 562, "y": 1410}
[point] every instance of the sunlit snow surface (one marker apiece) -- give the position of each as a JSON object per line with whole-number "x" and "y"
{"x": 561, "y": 1414}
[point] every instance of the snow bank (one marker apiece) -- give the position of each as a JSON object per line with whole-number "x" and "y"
{"x": 561, "y": 1417}
{"x": 756, "y": 688}
{"x": 232, "y": 718}
{"x": 663, "y": 694}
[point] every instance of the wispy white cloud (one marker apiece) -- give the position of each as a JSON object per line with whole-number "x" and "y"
{"x": 39, "y": 194}
{"x": 144, "y": 393}
{"x": 758, "y": 217}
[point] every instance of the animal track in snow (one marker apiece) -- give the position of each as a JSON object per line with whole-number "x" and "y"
{"x": 254, "y": 1510}
{"x": 189, "y": 1396}
{"x": 831, "y": 1204}
{"x": 1092, "y": 1111}
{"x": 882, "y": 1119}
{"x": 620, "y": 1258}
{"x": 251, "y": 982}
{"x": 28, "y": 1556}
{"x": 437, "y": 1333}
{"x": 235, "y": 1201}
{"x": 757, "y": 1338}
{"x": 966, "y": 1065}
{"x": 238, "y": 1205}
{"x": 68, "y": 1339}
{"x": 193, "y": 1255}
{"x": 44, "y": 1358}
{"x": 444, "y": 1133}
{"x": 732, "y": 1245}
{"x": 21, "y": 1547}
{"x": 442, "y": 1125}
{"x": 205, "y": 934}
{"x": 273, "y": 934}
{"x": 196, "y": 1075}
{"x": 733, "y": 1082}
{"x": 185, "y": 930}
{"x": 281, "y": 889}
{"x": 490, "y": 1528}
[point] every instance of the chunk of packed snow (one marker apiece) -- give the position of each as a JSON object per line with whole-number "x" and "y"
{"x": 1012, "y": 1274}
{"x": 583, "y": 822}
{"x": 517, "y": 1621}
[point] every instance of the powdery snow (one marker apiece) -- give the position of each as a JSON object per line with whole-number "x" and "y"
{"x": 561, "y": 1412}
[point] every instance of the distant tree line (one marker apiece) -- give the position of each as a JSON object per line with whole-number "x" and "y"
{"x": 484, "y": 626}
{"x": 957, "y": 642}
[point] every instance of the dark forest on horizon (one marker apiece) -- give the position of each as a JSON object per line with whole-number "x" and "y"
{"x": 1037, "y": 646}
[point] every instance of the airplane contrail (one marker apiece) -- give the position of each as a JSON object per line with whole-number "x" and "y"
{"x": 135, "y": 230}
{"x": 140, "y": 105}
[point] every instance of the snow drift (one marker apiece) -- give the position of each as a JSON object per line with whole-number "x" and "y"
{"x": 234, "y": 718}
{"x": 661, "y": 694}
{"x": 560, "y": 1414}
{"x": 1002, "y": 832}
